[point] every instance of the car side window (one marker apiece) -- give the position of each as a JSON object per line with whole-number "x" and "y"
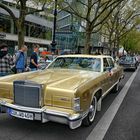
{"x": 105, "y": 64}
{"x": 111, "y": 63}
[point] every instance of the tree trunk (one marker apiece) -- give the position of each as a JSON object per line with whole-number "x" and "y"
{"x": 110, "y": 45}
{"x": 87, "y": 48}
{"x": 21, "y": 24}
{"x": 20, "y": 35}
{"x": 118, "y": 43}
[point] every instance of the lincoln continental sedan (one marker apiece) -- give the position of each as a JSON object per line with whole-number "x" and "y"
{"x": 69, "y": 91}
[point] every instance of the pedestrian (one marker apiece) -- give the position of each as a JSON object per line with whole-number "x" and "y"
{"x": 6, "y": 60}
{"x": 21, "y": 59}
{"x": 34, "y": 58}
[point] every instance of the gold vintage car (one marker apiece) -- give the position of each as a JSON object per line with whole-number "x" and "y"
{"x": 69, "y": 91}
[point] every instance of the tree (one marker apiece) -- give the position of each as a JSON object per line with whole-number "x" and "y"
{"x": 121, "y": 21}
{"x": 23, "y": 12}
{"x": 92, "y": 13}
{"x": 131, "y": 41}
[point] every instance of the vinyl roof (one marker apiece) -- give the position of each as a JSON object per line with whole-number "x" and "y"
{"x": 86, "y": 56}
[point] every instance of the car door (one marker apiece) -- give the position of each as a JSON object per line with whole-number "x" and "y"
{"x": 106, "y": 77}
{"x": 114, "y": 71}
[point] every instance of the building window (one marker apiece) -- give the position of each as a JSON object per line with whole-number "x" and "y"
{"x": 5, "y": 23}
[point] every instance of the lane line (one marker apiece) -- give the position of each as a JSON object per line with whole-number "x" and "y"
{"x": 102, "y": 126}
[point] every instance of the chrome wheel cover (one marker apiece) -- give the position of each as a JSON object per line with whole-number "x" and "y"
{"x": 92, "y": 110}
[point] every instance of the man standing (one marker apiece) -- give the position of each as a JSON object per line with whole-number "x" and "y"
{"x": 34, "y": 59}
{"x": 6, "y": 60}
{"x": 21, "y": 59}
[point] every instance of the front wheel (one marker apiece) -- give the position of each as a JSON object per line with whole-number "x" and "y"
{"x": 88, "y": 120}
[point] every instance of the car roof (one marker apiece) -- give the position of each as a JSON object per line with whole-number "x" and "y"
{"x": 86, "y": 56}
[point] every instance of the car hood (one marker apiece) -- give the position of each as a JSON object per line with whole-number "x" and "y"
{"x": 56, "y": 78}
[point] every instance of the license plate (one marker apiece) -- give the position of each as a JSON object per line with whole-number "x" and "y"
{"x": 20, "y": 114}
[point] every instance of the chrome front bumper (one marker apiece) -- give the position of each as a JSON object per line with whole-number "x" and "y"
{"x": 45, "y": 115}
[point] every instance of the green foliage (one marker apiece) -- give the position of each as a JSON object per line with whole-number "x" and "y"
{"x": 121, "y": 21}
{"x": 131, "y": 41}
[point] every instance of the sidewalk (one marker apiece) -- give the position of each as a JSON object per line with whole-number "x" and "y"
{"x": 126, "y": 124}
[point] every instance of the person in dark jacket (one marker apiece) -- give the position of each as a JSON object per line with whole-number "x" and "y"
{"x": 34, "y": 59}
{"x": 6, "y": 60}
{"x": 21, "y": 59}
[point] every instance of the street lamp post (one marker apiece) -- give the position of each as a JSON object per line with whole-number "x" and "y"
{"x": 53, "y": 44}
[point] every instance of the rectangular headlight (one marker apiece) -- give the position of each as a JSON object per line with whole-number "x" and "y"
{"x": 76, "y": 105}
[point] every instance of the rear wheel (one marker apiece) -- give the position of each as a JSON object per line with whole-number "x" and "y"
{"x": 92, "y": 112}
{"x": 2, "y": 110}
{"x": 116, "y": 88}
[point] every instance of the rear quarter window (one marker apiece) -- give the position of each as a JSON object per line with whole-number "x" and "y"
{"x": 111, "y": 62}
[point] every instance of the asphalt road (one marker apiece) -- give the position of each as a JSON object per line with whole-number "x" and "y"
{"x": 126, "y": 124}
{"x": 16, "y": 129}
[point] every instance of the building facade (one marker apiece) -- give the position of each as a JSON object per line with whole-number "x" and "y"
{"x": 38, "y": 28}
{"x": 70, "y": 35}
{"x": 66, "y": 35}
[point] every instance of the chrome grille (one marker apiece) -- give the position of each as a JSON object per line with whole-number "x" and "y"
{"x": 27, "y": 94}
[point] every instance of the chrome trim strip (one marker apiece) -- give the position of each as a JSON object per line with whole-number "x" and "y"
{"x": 57, "y": 113}
{"x": 109, "y": 89}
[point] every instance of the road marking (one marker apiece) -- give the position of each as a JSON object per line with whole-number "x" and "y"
{"x": 102, "y": 126}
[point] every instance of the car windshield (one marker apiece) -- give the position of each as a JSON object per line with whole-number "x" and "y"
{"x": 127, "y": 59}
{"x": 90, "y": 64}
